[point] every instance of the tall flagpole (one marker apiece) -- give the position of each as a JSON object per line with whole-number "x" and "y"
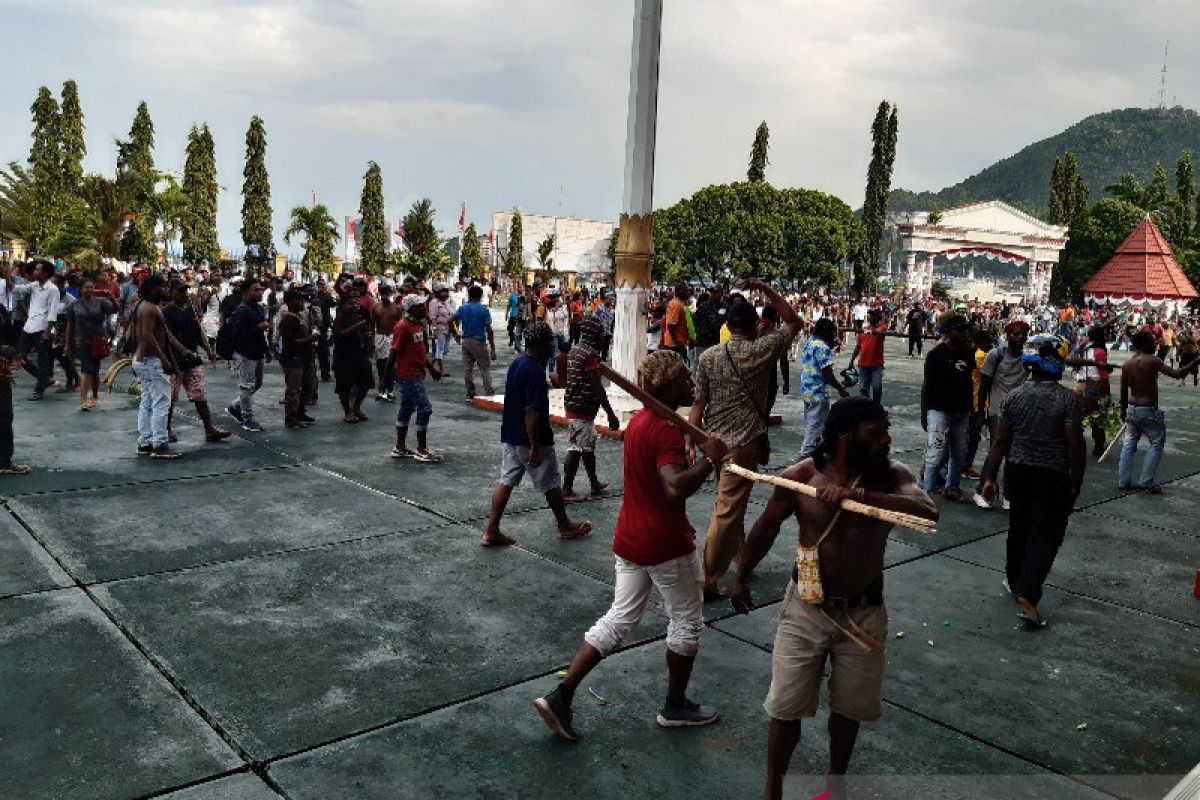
{"x": 635, "y": 241}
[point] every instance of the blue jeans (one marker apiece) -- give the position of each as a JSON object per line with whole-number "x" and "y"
{"x": 413, "y": 397}
{"x": 1139, "y": 420}
{"x": 947, "y": 436}
{"x": 870, "y": 381}
{"x": 815, "y": 412}
{"x": 156, "y": 402}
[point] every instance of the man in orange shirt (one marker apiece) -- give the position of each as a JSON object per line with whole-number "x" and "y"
{"x": 868, "y": 352}
{"x": 575, "y": 307}
{"x": 674, "y": 325}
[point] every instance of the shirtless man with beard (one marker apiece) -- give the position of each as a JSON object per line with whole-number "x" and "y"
{"x": 850, "y": 626}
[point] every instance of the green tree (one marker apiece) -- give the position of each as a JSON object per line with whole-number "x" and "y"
{"x": 1074, "y": 190}
{"x": 137, "y": 178}
{"x": 73, "y": 146}
{"x": 256, "y": 191}
{"x": 45, "y": 170}
{"x": 514, "y": 261}
{"x": 424, "y": 257}
{"x": 545, "y": 256}
{"x": 758, "y": 154}
{"x": 612, "y": 250}
{"x": 321, "y": 233}
{"x": 1160, "y": 194}
{"x": 472, "y": 268}
{"x": 199, "y": 230}
{"x": 1056, "y": 215}
{"x": 373, "y": 248}
{"x": 1093, "y": 237}
{"x": 171, "y": 207}
{"x": 1185, "y": 190}
{"x": 884, "y": 131}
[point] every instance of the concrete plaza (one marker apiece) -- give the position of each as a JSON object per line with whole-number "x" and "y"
{"x": 294, "y": 614}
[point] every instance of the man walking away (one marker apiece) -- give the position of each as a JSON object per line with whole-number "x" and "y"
{"x": 1140, "y": 411}
{"x": 1041, "y": 435}
{"x": 249, "y": 327}
{"x": 655, "y": 547}
{"x": 528, "y": 440}
{"x": 472, "y": 323}
{"x": 582, "y": 400}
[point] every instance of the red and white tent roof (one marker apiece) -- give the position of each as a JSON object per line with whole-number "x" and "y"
{"x": 1142, "y": 270}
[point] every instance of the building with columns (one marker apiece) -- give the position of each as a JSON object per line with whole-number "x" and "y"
{"x": 992, "y": 229}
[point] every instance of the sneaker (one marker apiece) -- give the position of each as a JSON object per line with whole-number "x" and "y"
{"x": 15, "y": 469}
{"x": 162, "y": 451}
{"x": 688, "y": 715}
{"x": 970, "y": 472}
{"x": 1004, "y": 505}
{"x": 306, "y": 419}
{"x": 145, "y": 449}
{"x": 980, "y": 501}
{"x": 427, "y": 456}
{"x": 954, "y": 495}
{"x": 556, "y": 713}
{"x": 234, "y": 412}
{"x": 402, "y": 453}
{"x": 251, "y": 424}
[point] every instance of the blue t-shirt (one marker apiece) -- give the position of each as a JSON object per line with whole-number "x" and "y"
{"x": 475, "y": 319}
{"x": 514, "y": 304}
{"x": 525, "y": 387}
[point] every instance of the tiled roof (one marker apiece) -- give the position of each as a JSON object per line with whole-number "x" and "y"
{"x": 1143, "y": 266}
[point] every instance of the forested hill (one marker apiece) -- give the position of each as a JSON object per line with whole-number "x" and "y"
{"x": 1107, "y": 145}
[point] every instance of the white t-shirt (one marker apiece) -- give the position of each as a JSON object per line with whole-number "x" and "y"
{"x": 859, "y": 312}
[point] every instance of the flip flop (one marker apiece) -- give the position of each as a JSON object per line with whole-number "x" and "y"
{"x": 1033, "y": 624}
{"x": 505, "y": 541}
{"x": 583, "y": 530}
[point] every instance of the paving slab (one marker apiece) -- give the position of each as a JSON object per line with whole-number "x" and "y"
{"x": 623, "y": 754}
{"x": 25, "y": 566}
{"x": 291, "y": 650}
{"x": 1028, "y": 691}
{"x": 233, "y": 787}
{"x": 1174, "y": 509}
{"x": 100, "y": 535}
{"x": 84, "y": 715}
{"x": 1139, "y": 567}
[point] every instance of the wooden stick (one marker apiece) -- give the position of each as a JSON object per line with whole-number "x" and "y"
{"x": 675, "y": 418}
{"x": 910, "y": 521}
{"x": 654, "y": 404}
{"x": 1113, "y": 443}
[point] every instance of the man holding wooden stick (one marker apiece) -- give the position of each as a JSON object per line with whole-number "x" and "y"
{"x": 849, "y": 624}
{"x": 732, "y": 384}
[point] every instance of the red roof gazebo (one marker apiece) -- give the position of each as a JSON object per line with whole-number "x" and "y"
{"x": 1143, "y": 271}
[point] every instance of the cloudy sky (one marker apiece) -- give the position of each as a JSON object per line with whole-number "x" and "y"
{"x": 499, "y": 103}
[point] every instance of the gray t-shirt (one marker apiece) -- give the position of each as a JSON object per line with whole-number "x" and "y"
{"x": 1038, "y": 413}
{"x": 88, "y": 317}
{"x": 1007, "y": 372}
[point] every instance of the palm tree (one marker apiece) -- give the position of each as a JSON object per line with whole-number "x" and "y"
{"x": 320, "y": 231}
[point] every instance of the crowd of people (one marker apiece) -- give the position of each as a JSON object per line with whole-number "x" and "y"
{"x": 725, "y": 356}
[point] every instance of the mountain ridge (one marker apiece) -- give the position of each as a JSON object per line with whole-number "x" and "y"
{"x": 1108, "y": 145}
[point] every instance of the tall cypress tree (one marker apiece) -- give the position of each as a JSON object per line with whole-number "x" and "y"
{"x": 1055, "y": 212}
{"x": 472, "y": 256}
{"x": 514, "y": 262}
{"x": 1185, "y": 189}
{"x": 884, "y": 133}
{"x": 373, "y": 248}
{"x": 137, "y": 177}
{"x": 256, "y": 191}
{"x": 1159, "y": 191}
{"x": 199, "y": 232}
{"x": 758, "y": 154}
{"x": 73, "y": 146}
{"x": 45, "y": 170}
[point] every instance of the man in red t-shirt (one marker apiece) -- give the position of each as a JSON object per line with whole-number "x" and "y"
{"x": 412, "y": 360}
{"x": 868, "y": 352}
{"x": 654, "y": 545}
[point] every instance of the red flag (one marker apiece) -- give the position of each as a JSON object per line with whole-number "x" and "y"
{"x": 462, "y": 219}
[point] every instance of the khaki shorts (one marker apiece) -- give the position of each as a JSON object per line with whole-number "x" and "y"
{"x": 581, "y": 436}
{"x": 806, "y": 636}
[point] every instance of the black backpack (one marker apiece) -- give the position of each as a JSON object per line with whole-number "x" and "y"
{"x": 225, "y": 341}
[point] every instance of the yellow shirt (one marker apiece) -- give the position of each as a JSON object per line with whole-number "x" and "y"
{"x": 724, "y": 334}
{"x": 977, "y": 379}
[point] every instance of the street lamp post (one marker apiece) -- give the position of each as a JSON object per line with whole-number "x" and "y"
{"x": 635, "y": 241}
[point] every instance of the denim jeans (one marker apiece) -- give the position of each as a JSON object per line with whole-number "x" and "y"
{"x": 413, "y": 397}
{"x": 870, "y": 381}
{"x": 156, "y": 401}
{"x": 1139, "y": 421}
{"x": 815, "y": 412}
{"x": 947, "y": 436}
{"x": 250, "y": 379}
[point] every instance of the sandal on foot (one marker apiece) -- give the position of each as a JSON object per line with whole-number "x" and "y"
{"x": 497, "y": 540}
{"x": 581, "y": 530}
{"x": 1032, "y": 623}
